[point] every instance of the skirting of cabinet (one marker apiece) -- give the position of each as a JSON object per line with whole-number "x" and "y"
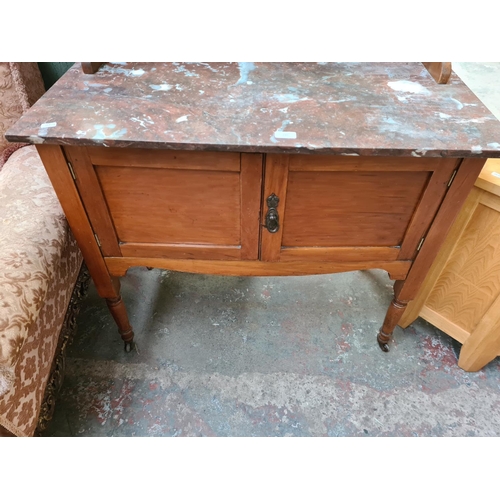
{"x": 118, "y": 266}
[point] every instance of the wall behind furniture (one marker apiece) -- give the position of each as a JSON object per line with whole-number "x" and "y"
{"x": 52, "y": 71}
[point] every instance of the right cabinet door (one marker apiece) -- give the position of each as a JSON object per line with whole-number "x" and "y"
{"x": 346, "y": 208}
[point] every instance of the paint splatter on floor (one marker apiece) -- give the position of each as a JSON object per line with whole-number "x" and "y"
{"x": 219, "y": 357}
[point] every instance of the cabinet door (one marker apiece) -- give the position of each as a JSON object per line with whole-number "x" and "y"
{"x": 352, "y": 209}
{"x": 171, "y": 204}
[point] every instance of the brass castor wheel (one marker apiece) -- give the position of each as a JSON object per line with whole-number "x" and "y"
{"x": 129, "y": 346}
{"x": 383, "y": 344}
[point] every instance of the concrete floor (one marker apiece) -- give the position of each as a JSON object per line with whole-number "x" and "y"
{"x": 293, "y": 356}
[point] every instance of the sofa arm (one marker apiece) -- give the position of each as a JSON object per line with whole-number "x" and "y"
{"x": 21, "y": 85}
{"x": 32, "y": 227}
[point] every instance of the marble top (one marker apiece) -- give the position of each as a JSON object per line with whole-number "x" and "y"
{"x": 381, "y": 109}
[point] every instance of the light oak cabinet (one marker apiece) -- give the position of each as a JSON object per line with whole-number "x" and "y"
{"x": 461, "y": 294}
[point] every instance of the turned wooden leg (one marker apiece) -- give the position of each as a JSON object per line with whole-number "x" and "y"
{"x": 411, "y": 313}
{"x": 63, "y": 180}
{"x": 119, "y": 313}
{"x": 394, "y": 313}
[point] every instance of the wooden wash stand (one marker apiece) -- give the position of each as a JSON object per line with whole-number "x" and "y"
{"x": 265, "y": 169}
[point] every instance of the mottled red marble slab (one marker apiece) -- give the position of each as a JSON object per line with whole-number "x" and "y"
{"x": 339, "y": 108}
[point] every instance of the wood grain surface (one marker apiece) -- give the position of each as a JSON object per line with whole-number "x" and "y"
{"x": 461, "y": 293}
{"x": 151, "y": 205}
{"x": 275, "y": 182}
{"x": 489, "y": 179}
{"x": 151, "y": 158}
{"x": 95, "y": 204}
{"x": 470, "y": 281}
{"x": 456, "y": 195}
{"x": 58, "y": 171}
{"x": 118, "y": 266}
{"x": 332, "y": 209}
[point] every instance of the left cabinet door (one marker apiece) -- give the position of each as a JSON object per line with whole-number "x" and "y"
{"x": 171, "y": 204}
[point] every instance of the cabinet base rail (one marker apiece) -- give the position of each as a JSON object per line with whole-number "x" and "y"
{"x": 118, "y": 266}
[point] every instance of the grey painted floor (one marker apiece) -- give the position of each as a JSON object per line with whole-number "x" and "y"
{"x": 294, "y": 356}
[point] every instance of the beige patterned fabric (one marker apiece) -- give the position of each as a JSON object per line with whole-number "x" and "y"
{"x": 39, "y": 261}
{"x": 20, "y": 407}
{"x": 33, "y": 235}
{"x": 21, "y": 85}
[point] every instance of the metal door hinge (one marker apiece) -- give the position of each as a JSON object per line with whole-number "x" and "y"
{"x": 420, "y": 244}
{"x": 71, "y": 170}
{"x": 452, "y": 177}
{"x": 97, "y": 240}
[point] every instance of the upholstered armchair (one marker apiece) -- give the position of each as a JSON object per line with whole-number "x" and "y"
{"x": 40, "y": 270}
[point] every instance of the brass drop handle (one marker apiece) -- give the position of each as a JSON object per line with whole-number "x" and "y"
{"x": 272, "y": 217}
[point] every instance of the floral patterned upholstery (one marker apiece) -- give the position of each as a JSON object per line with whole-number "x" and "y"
{"x": 21, "y": 85}
{"x": 39, "y": 261}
